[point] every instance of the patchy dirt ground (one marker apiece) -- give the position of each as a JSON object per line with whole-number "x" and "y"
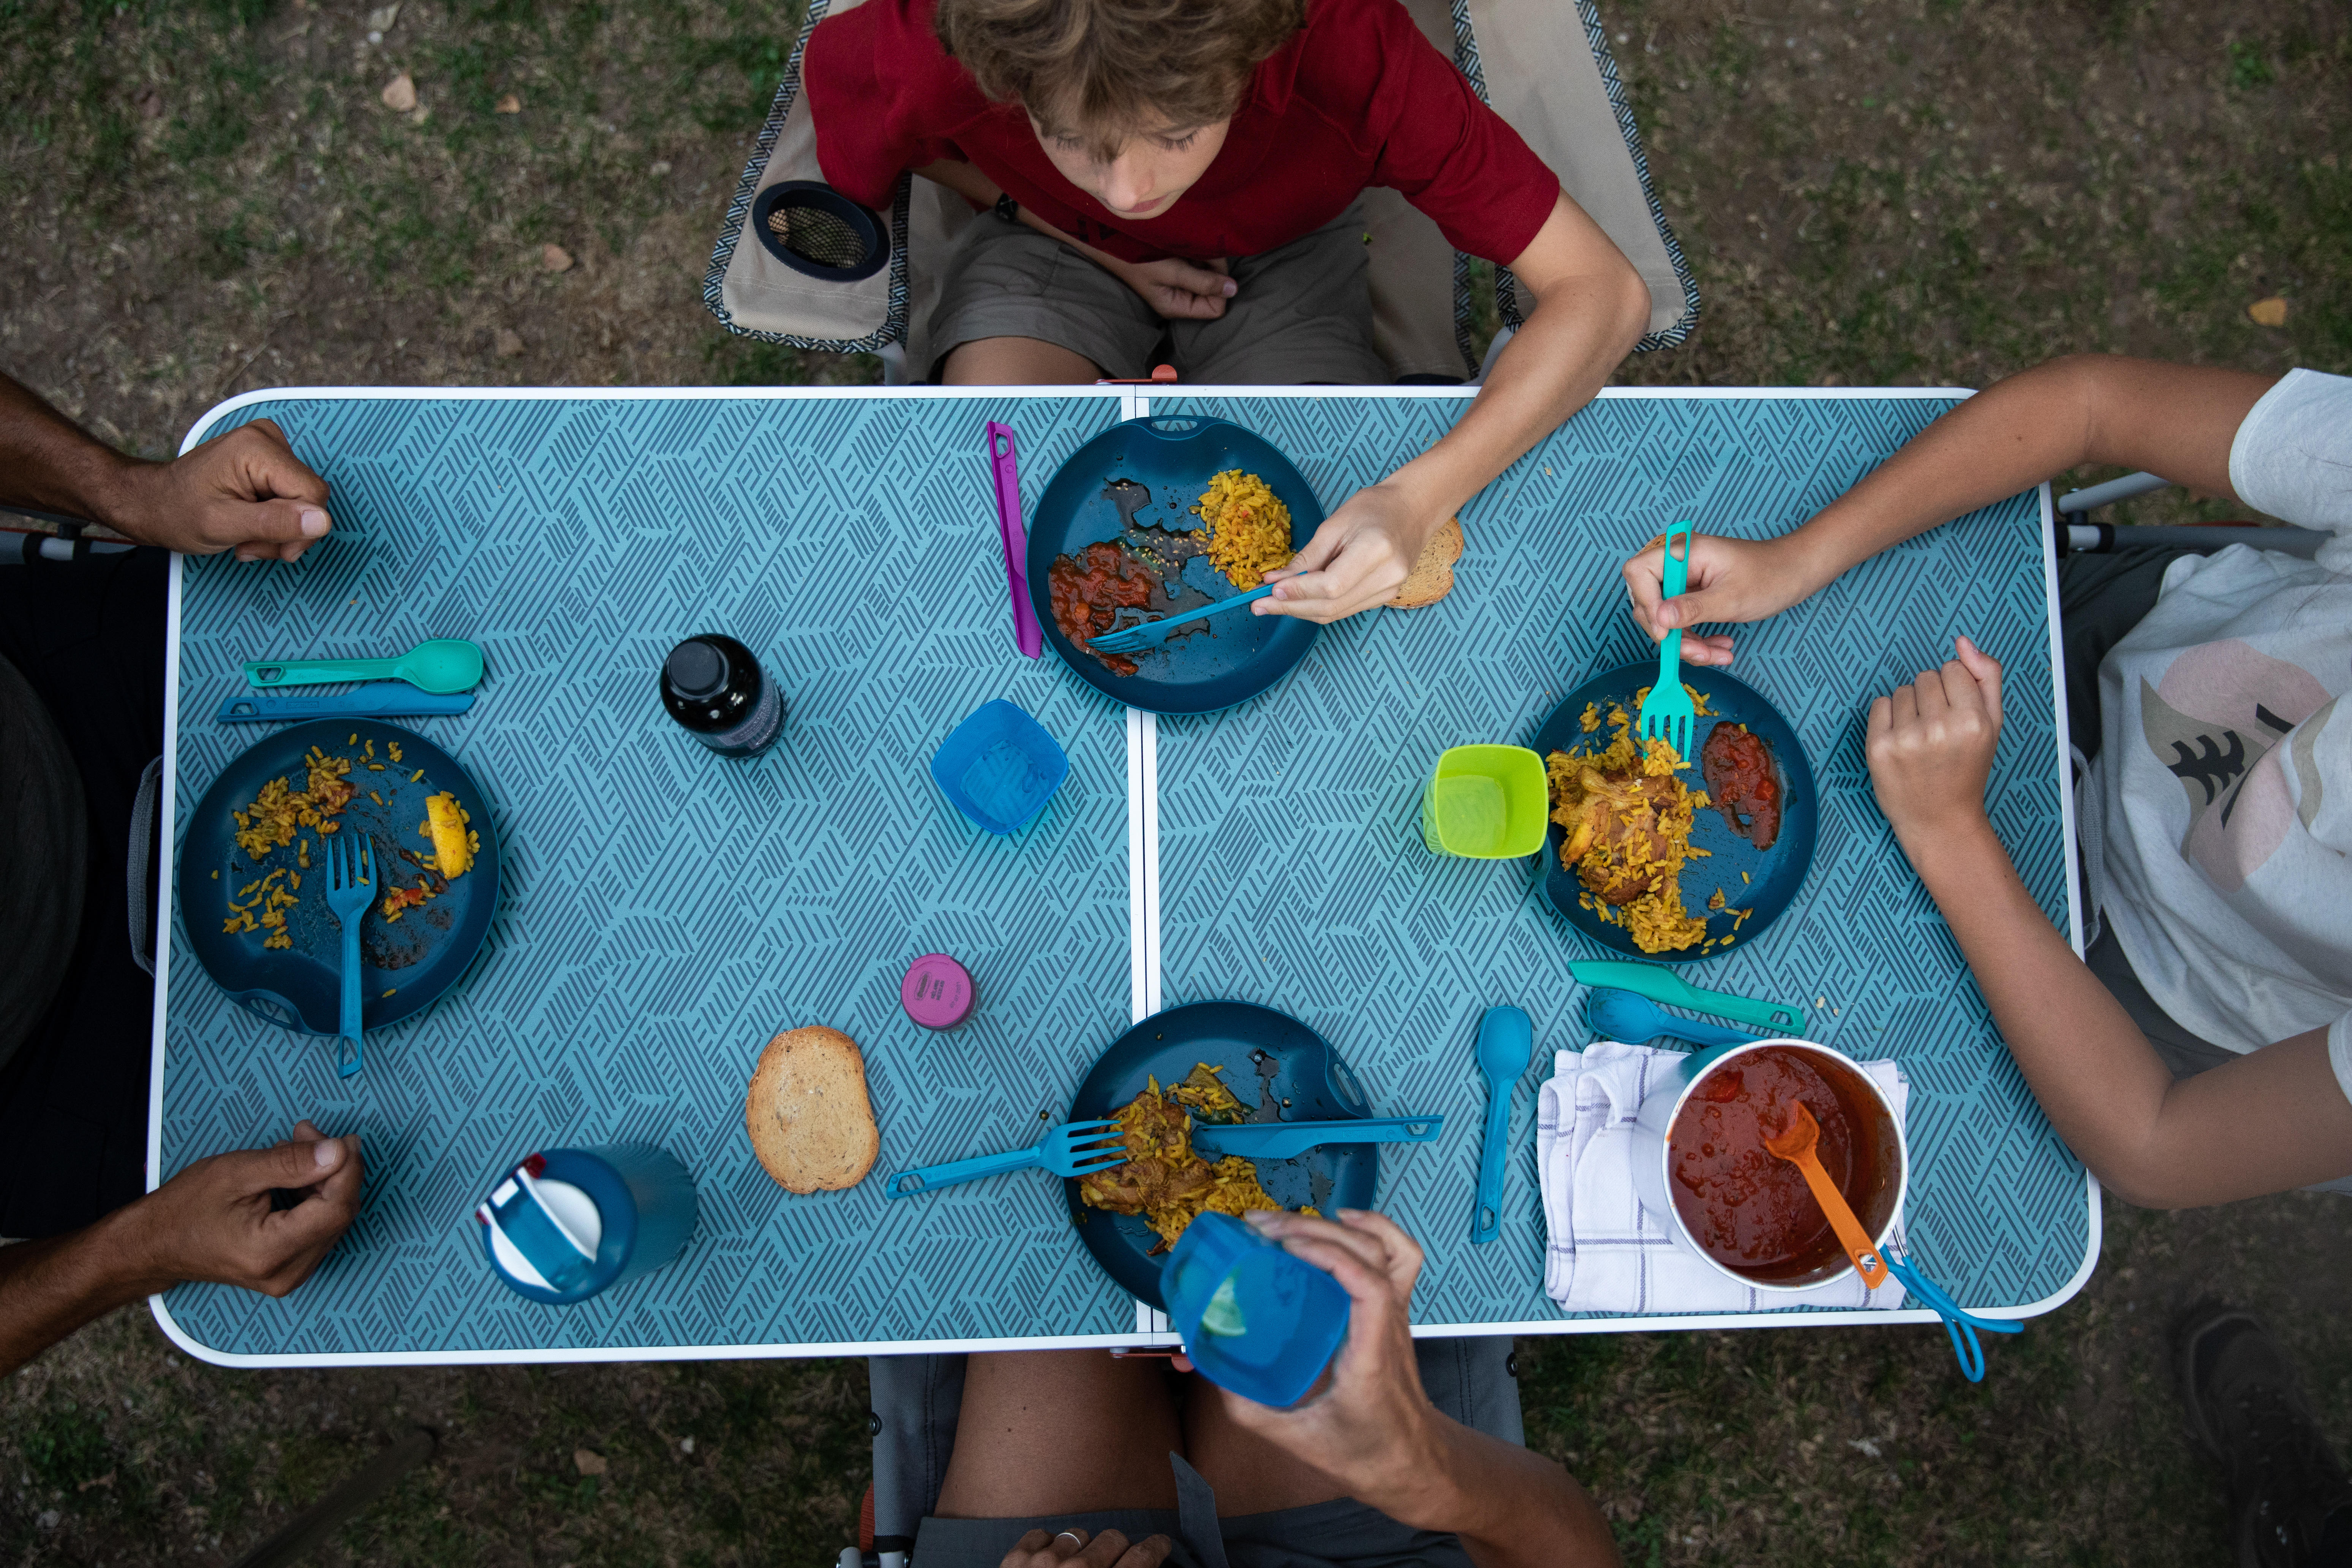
{"x": 209, "y": 198}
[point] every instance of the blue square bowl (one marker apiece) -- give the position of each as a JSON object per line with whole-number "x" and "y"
{"x": 999, "y": 767}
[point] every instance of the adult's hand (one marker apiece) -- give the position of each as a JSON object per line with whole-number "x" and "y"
{"x": 1368, "y": 1424}
{"x": 245, "y": 492}
{"x": 215, "y": 1220}
{"x": 1079, "y": 1550}
{"x": 1356, "y": 560}
{"x": 1730, "y": 580}
{"x": 1931, "y": 744}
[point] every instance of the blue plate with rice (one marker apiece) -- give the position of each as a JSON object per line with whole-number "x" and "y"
{"x": 408, "y": 957}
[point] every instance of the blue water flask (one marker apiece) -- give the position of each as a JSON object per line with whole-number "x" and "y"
{"x": 1256, "y": 1321}
{"x": 568, "y": 1223}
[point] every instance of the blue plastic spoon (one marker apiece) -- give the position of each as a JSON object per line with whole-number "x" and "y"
{"x": 1506, "y": 1038}
{"x": 1617, "y": 1014}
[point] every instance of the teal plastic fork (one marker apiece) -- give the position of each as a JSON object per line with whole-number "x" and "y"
{"x": 351, "y": 887}
{"x": 1057, "y": 1151}
{"x": 1146, "y": 635}
{"x": 1666, "y": 712}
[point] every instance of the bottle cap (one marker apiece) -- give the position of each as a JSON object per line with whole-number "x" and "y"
{"x": 937, "y": 991}
{"x": 697, "y": 669}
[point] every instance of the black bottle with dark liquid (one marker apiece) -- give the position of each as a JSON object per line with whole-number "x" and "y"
{"x": 713, "y": 685}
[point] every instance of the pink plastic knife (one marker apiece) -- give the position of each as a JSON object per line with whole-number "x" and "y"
{"x": 1026, "y": 634}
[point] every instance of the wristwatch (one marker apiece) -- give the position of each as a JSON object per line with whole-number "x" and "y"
{"x": 1007, "y": 208}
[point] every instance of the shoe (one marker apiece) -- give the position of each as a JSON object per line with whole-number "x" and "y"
{"x": 2247, "y": 1412}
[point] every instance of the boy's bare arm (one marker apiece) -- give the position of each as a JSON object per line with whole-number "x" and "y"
{"x": 2265, "y": 1122}
{"x": 1591, "y": 308}
{"x": 2175, "y": 420}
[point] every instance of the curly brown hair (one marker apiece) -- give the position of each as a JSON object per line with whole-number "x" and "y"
{"x": 1102, "y": 69}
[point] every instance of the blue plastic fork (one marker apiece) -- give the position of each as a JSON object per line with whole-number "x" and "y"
{"x": 1057, "y": 1151}
{"x": 1152, "y": 634}
{"x": 351, "y": 887}
{"x": 1666, "y": 712}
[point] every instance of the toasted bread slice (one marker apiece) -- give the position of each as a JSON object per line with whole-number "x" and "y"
{"x": 1432, "y": 576}
{"x": 811, "y": 1120}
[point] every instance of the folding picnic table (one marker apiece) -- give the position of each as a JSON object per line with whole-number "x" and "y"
{"x": 667, "y": 910}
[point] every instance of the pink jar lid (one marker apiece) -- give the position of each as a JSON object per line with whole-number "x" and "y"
{"x": 937, "y": 991}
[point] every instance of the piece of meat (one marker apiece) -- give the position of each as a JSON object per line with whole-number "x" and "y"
{"x": 1743, "y": 783}
{"x": 1621, "y": 816}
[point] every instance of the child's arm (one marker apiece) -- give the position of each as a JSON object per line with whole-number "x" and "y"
{"x": 2268, "y": 1121}
{"x": 1591, "y": 307}
{"x": 2173, "y": 420}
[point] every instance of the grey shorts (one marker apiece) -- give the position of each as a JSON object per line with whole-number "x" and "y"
{"x": 1469, "y": 1379}
{"x": 1303, "y": 311}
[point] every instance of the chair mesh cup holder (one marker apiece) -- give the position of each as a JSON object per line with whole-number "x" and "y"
{"x": 819, "y": 232}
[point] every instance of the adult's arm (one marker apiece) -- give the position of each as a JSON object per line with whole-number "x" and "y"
{"x": 2173, "y": 420}
{"x": 1591, "y": 309}
{"x": 213, "y": 1221}
{"x": 245, "y": 490}
{"x": 2265, "y": 1122}
{"x": 1373, "y": 1429}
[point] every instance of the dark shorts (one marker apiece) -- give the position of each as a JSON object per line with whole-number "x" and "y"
{"x": 1303, "y": 311}
{"x": 1469, "y": 1379}
{"x": 88, "y": 636}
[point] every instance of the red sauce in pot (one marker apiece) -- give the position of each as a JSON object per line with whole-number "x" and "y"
{"x": 1744, "y": 783}
{"x": 1745, "y": 1208}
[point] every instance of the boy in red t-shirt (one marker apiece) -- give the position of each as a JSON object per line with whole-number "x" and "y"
{"x": 1194, "y": 171}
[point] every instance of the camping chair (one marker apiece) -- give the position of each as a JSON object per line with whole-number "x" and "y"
{"x": 2077, "y": 537}
{"x": 917, "y": 1398}
{"x": 823, "y": 273}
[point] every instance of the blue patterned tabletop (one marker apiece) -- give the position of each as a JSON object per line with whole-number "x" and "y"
{"x": 1292, "y": 871}
{"x": 664, "y": 911}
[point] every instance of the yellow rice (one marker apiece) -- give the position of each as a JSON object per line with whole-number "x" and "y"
{"x": 1246, "y": 530}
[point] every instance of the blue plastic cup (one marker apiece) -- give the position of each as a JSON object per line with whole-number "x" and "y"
{"x": 998, "y": 766}
{"x": 1256, "y": 1321}
{"x": 566, "y": 1224}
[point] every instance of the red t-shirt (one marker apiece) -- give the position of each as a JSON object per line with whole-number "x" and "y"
{"x": 1356, "y": 97}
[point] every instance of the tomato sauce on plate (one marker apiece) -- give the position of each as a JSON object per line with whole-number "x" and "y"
{"x": 1747, "y": 1208}
{"x": 1745, "y": 783}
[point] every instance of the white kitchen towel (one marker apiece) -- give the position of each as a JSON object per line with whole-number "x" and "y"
{"x": 1606, "y": 1254}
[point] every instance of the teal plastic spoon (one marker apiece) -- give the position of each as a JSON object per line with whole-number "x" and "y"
{"x": 444, "y": 665}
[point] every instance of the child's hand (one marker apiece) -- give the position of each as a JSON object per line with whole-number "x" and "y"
{"x": 1356, "y": 560}
{"x": 1731, "y": 579}
{"x": 1181, "y": 290}
{"x": 1931, "y": 745}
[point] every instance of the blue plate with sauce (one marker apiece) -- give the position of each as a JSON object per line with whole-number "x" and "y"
{"x": 406, "y": 963}
{"x": 1147, "y": 475}
{"x": 1279, "y": 1069}
{"x": 1773, "y": 874}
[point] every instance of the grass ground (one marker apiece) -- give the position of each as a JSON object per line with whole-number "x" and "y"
{"x": 208, "y": 196}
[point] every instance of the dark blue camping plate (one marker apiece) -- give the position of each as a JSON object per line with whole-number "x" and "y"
{"x": 1148, "y": 474}
{"x": 1773, "y": 874}
{"x": 1274, "y": 1064}
{"x": 406, "y": 962}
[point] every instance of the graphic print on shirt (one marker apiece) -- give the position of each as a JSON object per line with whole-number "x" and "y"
{"x": 2215, "y": 723}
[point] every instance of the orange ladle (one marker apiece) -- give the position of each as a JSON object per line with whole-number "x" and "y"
{"x": 1796, "y": 1146}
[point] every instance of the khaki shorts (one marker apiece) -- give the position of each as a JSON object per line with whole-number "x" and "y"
{"x": 1303, "y": 311}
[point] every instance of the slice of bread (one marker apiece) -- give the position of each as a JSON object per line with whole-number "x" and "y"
{"x": 811, "y": 1121}
{"x": 1432, "y": 576}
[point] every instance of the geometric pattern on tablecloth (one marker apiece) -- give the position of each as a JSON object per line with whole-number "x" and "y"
{"x": 664, "y": 910}
{"x": 1292, "y": 871}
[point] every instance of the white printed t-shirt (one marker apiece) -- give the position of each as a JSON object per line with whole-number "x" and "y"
{"x": 2221, "y": 806}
